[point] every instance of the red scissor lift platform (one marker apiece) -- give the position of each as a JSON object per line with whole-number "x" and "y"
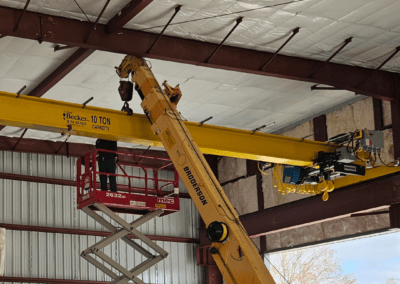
{"x": 157, "y": 197}
{"x": 128, "y": 199}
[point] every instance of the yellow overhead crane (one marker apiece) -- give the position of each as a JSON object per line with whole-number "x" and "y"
{"x": 233, "y": 251}
{"x": 74, "y": 119}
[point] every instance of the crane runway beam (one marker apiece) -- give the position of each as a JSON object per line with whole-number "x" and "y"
{"x": 56, "y": 116}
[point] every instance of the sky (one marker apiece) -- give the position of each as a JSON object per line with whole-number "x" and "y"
{"x": 372, "y": 259}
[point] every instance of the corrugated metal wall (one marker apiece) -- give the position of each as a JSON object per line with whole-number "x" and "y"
{"x": 48, "y": 255}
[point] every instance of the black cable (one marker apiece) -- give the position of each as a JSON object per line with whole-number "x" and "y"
{"x": 222, "y": 15}
{"x": 350, "y": 141}
{"x": 379, "y": 155}
{"x": 270, "y": 262}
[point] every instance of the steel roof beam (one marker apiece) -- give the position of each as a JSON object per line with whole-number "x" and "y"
{"x": 77, "y": 150}
{"x": 63, "y": 182}
{"x": 5, "y": 279}
{"x": 371, "y": 195}
{"x": 381, "y": 84}
{"x": 126, "y": 14}
{"x": 68, "y": 231}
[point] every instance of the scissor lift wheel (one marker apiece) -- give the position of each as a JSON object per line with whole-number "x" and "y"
{"x": 121, "y": 233}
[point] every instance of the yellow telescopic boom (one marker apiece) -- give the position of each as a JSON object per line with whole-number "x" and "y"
{"x": 235, "y": 254}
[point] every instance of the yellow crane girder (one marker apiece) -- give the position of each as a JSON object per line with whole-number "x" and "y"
{"x": 74, "y": 119}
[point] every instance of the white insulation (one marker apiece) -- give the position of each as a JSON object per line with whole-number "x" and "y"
{"x": 237, "y": 100}
{"x": 49, "y": 255}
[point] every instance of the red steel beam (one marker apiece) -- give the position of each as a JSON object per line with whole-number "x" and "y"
{"x": 4, "y": 279}
{"x": 395, "y": 112}
{"x": 64, "y": 182}
{"x": 378, "y": 113}
{"x": 40, "y": 229}
{"x": 380, "y": 84}
{"x": 66, "y": 67}
{"x": 320, "y": 128}
{"x": 394, "y": 211}
{"x": 374, "y": 194}
{"x": 126, "y": 14}
{"x": 77, "y": 150}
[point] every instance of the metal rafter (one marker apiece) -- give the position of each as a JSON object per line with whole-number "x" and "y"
{"x": 5, "y": 279}
{"x": 126, "y": 14}
{"x": 72, "y": 32}
{"x": 46, "y": 147}
{"x": 63, "y": 182}
{"x": 371, "y": 195}
{"x": 64, "y": 69}
{"x": 69, "y": 231}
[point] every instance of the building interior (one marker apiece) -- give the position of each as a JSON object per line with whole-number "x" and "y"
{"x": 294, "y": 105}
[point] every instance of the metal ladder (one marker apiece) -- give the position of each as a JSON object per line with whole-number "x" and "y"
{"x": 121, "y": 233}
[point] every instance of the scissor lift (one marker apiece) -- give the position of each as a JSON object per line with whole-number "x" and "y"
{"x": 160, "y": 199}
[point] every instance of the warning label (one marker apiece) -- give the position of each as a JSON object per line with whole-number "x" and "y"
{"x": 169, "y": 139}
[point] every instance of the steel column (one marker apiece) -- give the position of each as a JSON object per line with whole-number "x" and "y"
{"x": 395, "y": 109}
{"x": 213, "y": 275}
{"x": 394, "y": 213}
{"x": 378, "y": 113}
{"x": 72, "y": 32}
{"x": 320, "y": 128}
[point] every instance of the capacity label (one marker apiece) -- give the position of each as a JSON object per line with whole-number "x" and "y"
{"x": 101, "y": 122}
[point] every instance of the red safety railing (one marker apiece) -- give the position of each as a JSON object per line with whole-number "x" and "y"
{"x": 87, "y": 178}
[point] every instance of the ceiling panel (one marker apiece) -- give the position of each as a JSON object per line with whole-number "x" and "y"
{"x": 233, "y": 99}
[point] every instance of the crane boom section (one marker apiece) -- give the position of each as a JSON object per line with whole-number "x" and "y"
{"x": 237, "y": 257}
{"x": 56, "y": 116}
